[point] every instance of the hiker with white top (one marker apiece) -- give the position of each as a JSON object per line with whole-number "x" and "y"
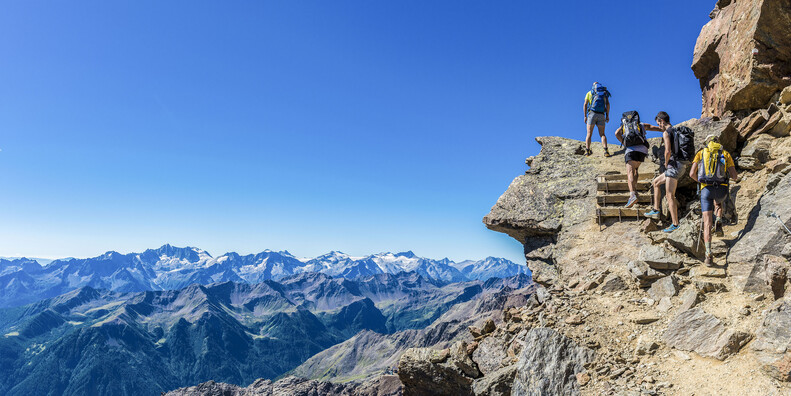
{"x": 596, "y": 111}
{"x": 631, "y": 134}
{"x": 711, "y": 167}
{"x": 679, "y": 148}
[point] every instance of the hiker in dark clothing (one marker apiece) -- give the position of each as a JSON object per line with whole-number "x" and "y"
{"x": 676, "y": 160}
{"x": 711, "y": 167}
{"x": 596, "y": 111}
{"x": 632, "y": 135}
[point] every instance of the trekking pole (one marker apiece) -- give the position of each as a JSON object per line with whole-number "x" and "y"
{"x": 773, "y": 214}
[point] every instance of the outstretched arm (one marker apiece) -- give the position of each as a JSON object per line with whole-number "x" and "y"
{"x": 649, "y": 127}
{"x": 607, "y": 116}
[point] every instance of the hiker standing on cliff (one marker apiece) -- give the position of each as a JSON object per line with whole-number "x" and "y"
{"x": 596, "y": 111}
{"x": 632, "y": 135}
{"x": 711, "y": 167}
{"x": 679, "y": 146}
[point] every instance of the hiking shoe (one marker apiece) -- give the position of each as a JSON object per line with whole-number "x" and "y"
{"x": 632, "y": 200}
{"x": 588, "y": 152}
{"x": 718, "y": 228}
{"x": 606, "y": 153}
{"x": 709, "y": 261}
{"x": 671, "y": 228}
{"x": 653, "y": 212}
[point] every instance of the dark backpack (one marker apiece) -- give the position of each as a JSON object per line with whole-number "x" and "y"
{"x": 599, "y": 95}
{"x": 633, "y": 132}
{"x": 683, "y": 144}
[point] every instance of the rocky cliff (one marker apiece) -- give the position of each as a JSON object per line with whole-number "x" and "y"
{"x": 743, "y": 55}
{"x": 627, "y": 308}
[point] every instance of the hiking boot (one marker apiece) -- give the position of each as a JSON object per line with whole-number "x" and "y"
{"x": 709, "y": 261}
{"x": 606, "y": 153}
{"x": 653, "y": 212}
{"x": 671, "y": 228}
{"x": 718, "y": 228}
{"x": 632, "y": 200}
{"x": 588, "y": 152}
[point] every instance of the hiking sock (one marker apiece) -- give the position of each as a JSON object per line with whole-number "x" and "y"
{"x": 708, "y": 248}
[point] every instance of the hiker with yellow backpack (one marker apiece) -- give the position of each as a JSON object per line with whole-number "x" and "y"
{"x": 711, "y": 167}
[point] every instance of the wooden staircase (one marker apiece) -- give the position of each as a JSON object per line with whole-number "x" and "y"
{"x": 613, "y": 193}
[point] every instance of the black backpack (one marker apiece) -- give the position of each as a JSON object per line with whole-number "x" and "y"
{"x": 633, "y": 132}
{"x": 683, "y": 144}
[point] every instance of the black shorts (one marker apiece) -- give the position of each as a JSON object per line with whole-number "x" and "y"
{"x": 634, "y": 156}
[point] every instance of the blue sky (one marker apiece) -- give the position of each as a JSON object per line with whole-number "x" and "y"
{"x": 360, "y": 126}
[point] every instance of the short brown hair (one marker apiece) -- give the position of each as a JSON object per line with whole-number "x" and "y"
{"x": 663, "y": 116}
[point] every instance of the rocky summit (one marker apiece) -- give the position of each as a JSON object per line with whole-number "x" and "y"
{"x": 624, "y": 308}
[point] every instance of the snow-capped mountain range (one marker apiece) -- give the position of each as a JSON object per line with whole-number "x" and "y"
{"x": 168, "y": 267}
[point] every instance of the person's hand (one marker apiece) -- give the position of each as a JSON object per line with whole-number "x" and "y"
{"x": 585, "y": 120}
{"x": 607, "y": 119}
{"x": 667, "y": 164}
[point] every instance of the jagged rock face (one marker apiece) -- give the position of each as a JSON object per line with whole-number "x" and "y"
{"x": 548, "y": 364}
{"x": 425, "y": 371}
{"x": 763, "y": 235}
{"x": 743, "y": 55}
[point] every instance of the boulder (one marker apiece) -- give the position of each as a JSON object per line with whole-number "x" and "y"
{"x": 425, "y": 371}
{"x": 698, "y": 331}
{"x": 550, "y": 364}
{"x": 749, "y": 163}
{"x": 750, "y": 123}
{"x": 741, "y": 57}
{"x": 489, "y": 354}
{"x": 613, "y": 283}
{"x": 770, "y": 123}
{"x": 763, "y": 234}
{"x": 665, "y": 287}
{"x": 643, "y": 273}
{"x": 685, "y": 238}
{"x": 497, "y": 383}
{"x": 785, "y": 96}
{"x": 758, "y": 148}
{"x": 689, "y": 299}
{"x": 772, "y": 345}
{"x": 658, "y": 257}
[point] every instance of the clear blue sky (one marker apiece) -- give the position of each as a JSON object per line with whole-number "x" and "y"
{"x": 360, "y": 126}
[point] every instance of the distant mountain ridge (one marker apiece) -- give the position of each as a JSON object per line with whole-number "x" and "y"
{"x": 92, "y": 341}
{"x": 24, "y": 280}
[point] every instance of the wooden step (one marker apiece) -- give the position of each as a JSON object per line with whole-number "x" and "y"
{"x": 623, "y": 213}
{"x": 622, "y": 177}
{"x": 620, "y": 198}
{"x": 621, "y": 186}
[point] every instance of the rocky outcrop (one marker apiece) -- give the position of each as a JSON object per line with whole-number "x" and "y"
{"x": 426, "y": 371}
{"x": 549, "y": 365}
{"x": 743, "y": 55}
{"x": 293, "y": 386}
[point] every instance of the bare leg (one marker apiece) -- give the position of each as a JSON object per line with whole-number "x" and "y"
{"x": 658, "y": 182}
{"x": 588, "y": 137}
{"x": 603, "y": 136}
{"x": 708, "y": 219}
{"x": 631, "y": 175}
{"x": 672, "y": 204}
